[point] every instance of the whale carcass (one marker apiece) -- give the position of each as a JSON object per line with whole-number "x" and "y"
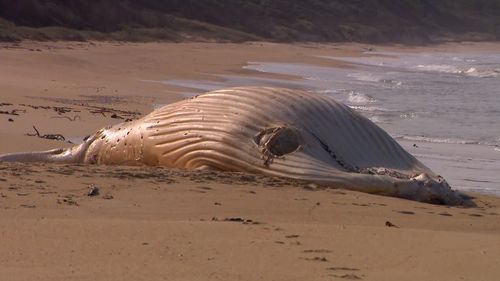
{"x": 263, "y": 130}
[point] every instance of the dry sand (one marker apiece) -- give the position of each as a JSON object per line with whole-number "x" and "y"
{"x": 157, "y": 224}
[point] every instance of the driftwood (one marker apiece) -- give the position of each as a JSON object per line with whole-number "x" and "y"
{"x": 75, "y": 117}
{"x": 12, "y": 112}
{"x": 58, "y": 137}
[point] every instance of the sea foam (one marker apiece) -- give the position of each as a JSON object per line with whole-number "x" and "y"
{"x": 359, "y": 98}
{"x": 470, "y": 71}
{"x": 436, "y": 140}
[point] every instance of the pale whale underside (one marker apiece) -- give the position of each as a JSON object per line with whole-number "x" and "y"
{"x": 271, "y": 131}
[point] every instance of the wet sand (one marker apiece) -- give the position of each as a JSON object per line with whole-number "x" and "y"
{"x": 148, "y": 223}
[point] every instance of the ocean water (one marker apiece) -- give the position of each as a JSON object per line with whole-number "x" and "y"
{"x": 443, "y": 107}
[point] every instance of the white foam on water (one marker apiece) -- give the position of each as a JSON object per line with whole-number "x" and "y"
{"x": 442, "y": 68}
{"x": 408, "y": 115}
{"x": 251, "y": 65}
{"x": 367, "y": 77}
{"x": 372, "y": 78}
{"x": 435, "y": 140}
{"x": 370, "y": 108}
{"x": 392, "y": 82}
{"x": 471, "y": 70}
{"x": 359, "y": 98}
{"x": 463, "y": 59}
{"x": 482, "y": 73}
{"x": 467, "y": 70}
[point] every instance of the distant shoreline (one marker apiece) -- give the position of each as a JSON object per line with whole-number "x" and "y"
{"x": 370, "y": 21}
{"x": 17, "y": 34}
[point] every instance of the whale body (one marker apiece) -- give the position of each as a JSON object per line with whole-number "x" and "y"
{"x": 262, "y": 130}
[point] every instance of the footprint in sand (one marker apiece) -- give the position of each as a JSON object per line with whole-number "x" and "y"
{"x": 360, "y": 205}
{"x": 348, "y": 276}
{"x": 318, "y": 251}
{"x": 320, "y": 259}
{"x": 405, "y": 212}
{"x": 204, "y": 188}
{"x": 342, "y": 268}
{"x": 475, "y": 215}
{"x": 27, "y": 206}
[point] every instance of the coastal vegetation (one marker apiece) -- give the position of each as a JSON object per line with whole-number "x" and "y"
{"x": 374, "y": 21}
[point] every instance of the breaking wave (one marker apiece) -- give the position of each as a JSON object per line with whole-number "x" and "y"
{"x": 370, "y": 77}
{"x": 359, "y": 98}
{"x": 466, "y": 71}
{"x": 474, "y": 72}
{"x": 442, "y": 68}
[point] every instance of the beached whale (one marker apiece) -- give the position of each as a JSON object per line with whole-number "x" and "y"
{"x": 271, "y": 131}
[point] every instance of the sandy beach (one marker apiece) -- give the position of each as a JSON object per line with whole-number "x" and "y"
{"x": 148, "y": 223}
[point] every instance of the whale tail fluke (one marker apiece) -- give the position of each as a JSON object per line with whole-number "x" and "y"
{"x": 75, "y": 154}
{"x": 59, "y": 155}
{"x": 38, "y": 156}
